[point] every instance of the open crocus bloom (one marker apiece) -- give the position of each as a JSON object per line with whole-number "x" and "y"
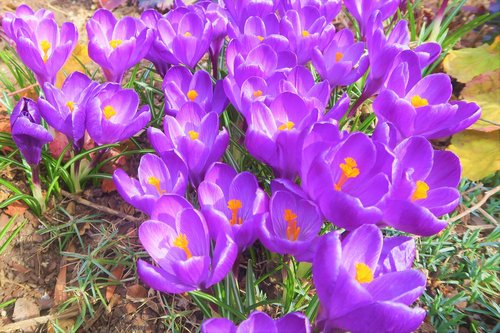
{"x": 65, "y": 109}
{"x": 232, "y": 203}
{"x": 26, "y": 14}
{"x": 112, "y": 114}
{"x": 424, "y": 187}
{"x": 292, "y": 226}
{"x": 275, "y": 133}
{"x": 185, "y": 34}
{"x": 178, "y": 240}
{"x": 156, "y": 178}
{"x": 117, "y": 45}
{"x": 352, "y": 297}
{"x": 342, "y": 62}
{"x": 349, "y": 180}
{"x": 27, "y": 132}
{"x": 44, "y": 48}
{"x": 195, "y": 135}
{"x": 181, "y": 86}
{"x": 259, "y": 322}
{"x": 425, "y": 110}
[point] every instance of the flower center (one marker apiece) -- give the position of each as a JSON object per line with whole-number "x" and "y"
{"x": 71, "y": 106}
{"x": 305, "y": 33}
{"x": 192, "y": 94}
{"x": 156, "y": 183}
{"x": 420, "y": 191}
{"x": 114, "y": 43}
{"x": 287, "y": 126}
{"x": 292, "y": 231}
{"x": 349, "y": 170}
{"x": 109, "y": 112}
{"x": 193, "y": 135}
{"x": 188, "y": 34}
{"x": 257, "y": 93}
{"x": 182, "y": 243}
{"x": 260, "y": 38}
{"x": 418, "y": 101}
{"x": 234, "y": 206}
{"x": 45, "y": 45}
{"x": 363, "y": 273}
{"x": 339, "y": 56}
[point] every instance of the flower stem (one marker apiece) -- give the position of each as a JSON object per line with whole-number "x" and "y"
{"x": 37, "y": 186}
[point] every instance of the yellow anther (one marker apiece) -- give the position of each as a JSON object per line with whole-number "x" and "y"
{"x": 182, "y": 243}
{"x": 418, "y": 101}
{"x": 339, "y": 56}
{"x": 257, "y": 93}
{"x": 292, "y": 230}
{"x": 114, "y": 43}
{"x": 287, "y": 126}
{"x": 192, "y": 94}
{"x": 420, "y": 191}
{"x": 109, "y": 112}
{"x": 305, "y": 33}
{"x": 45, "y": 45}
{"x": 363, "y": 273}
{"x": 349, "y": 170}
{"x": 193, "y": 135}
{"x": 188, "y": 34}
{"x": 234, "y": 206}
{"x": 260, "y": 38}
{"x": 156, "y": 183}
{"x": 71, "y": 106}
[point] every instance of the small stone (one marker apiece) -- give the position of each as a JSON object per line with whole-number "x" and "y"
{"x": 25, "y": 309}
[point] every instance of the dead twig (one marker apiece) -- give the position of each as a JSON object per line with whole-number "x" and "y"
{"x": 25, "y": 324}
{"x": 101, "y": 208}
{"x": 22, "y": 89}
{"x": 478, "y": 205}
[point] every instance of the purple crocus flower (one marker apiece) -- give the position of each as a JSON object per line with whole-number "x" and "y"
{"x": 257, "y": 322}
{"x": 181, "y": 86}
{"x": 44, "y": 48}
{"x": 398, "y": 254}
{"x": 349, "y": 180}
{"x": 156, "y": 178}
{"x": 352, "y": 298}
{"x": 362, "y": 10}
{"x": 327, "y": 8}
{"x": 27, "y": 132}
{"x": 264, "y": 30}
{"x": 304, "y": 30}
{"x": 112, "y": 114}
{"x": 195, "y": 135}
{"x": 349, "y": 64}
{"x": 65, "y": 109}
{"x": 241, "y": 10}
{"x": 117, "y": 45}
{"x": 275, "y": 133}
{"x": 178, "y": 240}
{"x": 219, "y": 19}
{"x": 156, "y": 52}
{"x": 424, "y": 187}
{"x": 292, "y": 226}
{"x": 28, "y": 15}
{"x": 424, "y": 109}
{"x": 185, "y": 35}
{"x": 232, "y": 203}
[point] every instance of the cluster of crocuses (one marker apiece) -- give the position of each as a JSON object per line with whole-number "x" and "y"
{"x": 323, "y": 174}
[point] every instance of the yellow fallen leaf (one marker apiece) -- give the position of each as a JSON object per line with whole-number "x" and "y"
{"x": 465, "y": 64}
{"x": 478, "y": 152}
{"x": 483, "y": 90}
{"x": 79, "y": 56}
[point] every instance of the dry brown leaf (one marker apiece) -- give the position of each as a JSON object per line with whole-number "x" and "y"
{"x": 136, "y": 293}
{"x": 108, "y": 186}
{"x": 60, "y": 294}
{"x": 16, "y": 208}
{"x": 117, "y": 273}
